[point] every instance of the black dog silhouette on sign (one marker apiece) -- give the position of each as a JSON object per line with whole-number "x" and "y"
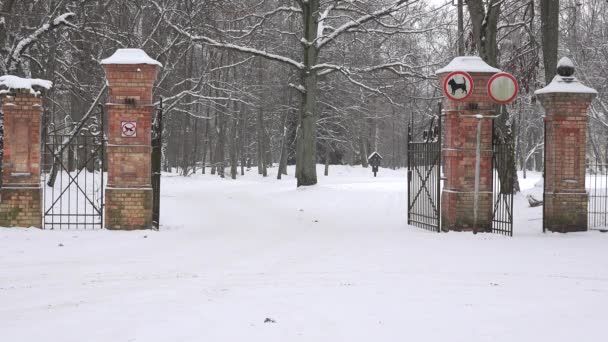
{"x": 455, "y": 86}
{"x": 129, "y": 129}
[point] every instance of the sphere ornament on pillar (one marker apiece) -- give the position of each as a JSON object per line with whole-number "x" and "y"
{"x": 565, "y": 67}
{"x": 565, "y": 82}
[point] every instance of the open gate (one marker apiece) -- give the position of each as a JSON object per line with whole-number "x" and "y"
{"x": 424, "y": 177}
{"x": 73, "y": 171}
{"x": 424, "y": 180}
{"x": 503, "y": 185}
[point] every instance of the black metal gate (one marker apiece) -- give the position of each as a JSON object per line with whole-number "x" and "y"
{"x": 597, "y": 188}
{"x": 503, "y": 186}
{"x": 157, "y": 143}
{"x": 73, "y": 173}
{"x": 424, "y": 177}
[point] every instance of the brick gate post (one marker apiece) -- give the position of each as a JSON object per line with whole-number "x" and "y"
{"x": 131, "y": 74}
{"x": 21, "y": 194}
{"x": 459, "y": 150}
{"x": 566, "y": 102}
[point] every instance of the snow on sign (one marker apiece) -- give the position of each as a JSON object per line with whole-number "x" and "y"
{"x": 458, "y": 85}
{"x": 503, "y": 88}
{"x": 128, "y": 129}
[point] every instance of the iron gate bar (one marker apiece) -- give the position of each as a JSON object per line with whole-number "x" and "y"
{"x": 544, "y": 174}
{"x": 424, "y": 181}
{"x": 73, "y": 180}
{"x": 85, "y": 150}
{"x": 157, "y": 143}
{"x": 424, "y": 176}
{"x": 502, "y": 198}
{"x": 597, "y": 210}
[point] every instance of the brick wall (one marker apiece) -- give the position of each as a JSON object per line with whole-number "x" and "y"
{"x": 129, "y": 191}
{"x": 566, "y": 199}
{"x": 459, "y": 157}
{"x": 128, "y": 209}
{"x": 20, "y": 204}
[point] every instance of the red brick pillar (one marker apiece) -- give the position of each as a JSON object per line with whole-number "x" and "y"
{"x": 131, "y": 74}
{"x": 460, "y": 150}
{"x": 21, "y": 194}
{"x": 566, "y": 102}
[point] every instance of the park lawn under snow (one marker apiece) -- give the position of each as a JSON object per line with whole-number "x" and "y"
{"x": 332, "y": 262}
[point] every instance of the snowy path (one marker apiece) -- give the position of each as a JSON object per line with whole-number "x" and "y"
{"x": 335, "y": 262}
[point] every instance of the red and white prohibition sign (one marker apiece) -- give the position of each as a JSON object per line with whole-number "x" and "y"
{"x": 503, "y": 88}
{"x": 458, "y": 85}
{"x": 128, "y": 129}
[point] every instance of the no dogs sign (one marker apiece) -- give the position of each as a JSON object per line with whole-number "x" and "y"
{"x": 128, "y": 129}
{"x": 458, "y": 85}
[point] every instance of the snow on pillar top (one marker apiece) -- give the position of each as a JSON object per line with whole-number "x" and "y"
{"x": 130, "y": 56}
{"x": 9, "y": 82}
{"x": 467, "y": 64}
{"x": 565, "y": 82}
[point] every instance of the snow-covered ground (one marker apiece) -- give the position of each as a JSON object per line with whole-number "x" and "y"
{"x": 333, "y": 262}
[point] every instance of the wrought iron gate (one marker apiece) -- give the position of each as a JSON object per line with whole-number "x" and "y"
{"x": 73, "y": 171}
{"x": 424, "y": 177}
{"x": 597, "y": 188}
{"x": 503, "y": 186}
{"x": 157, "y": 143}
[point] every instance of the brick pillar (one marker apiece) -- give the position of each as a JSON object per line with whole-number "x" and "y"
{"x": 21, "y": 194}
{"x": 131, "y": 74}
{"x": 459, "y": 150}
{"x": 565, "y": 101}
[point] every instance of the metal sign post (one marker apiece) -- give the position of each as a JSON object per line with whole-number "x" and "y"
{"x": 479, "y": 118}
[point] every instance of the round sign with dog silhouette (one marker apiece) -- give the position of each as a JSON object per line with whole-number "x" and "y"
{"x": 503, "y": 88}
{"x": 458, "y": 85}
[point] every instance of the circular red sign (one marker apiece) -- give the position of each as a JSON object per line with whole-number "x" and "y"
{"x": 503, "y": 88}
{"x": 458, "y": 85}
{"x": 129, "y": 129}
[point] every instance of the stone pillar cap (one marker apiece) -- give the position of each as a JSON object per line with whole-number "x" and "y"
{"x": 565, "y": 82}
{"x": 130, "y": 56}
{"x": 9, "y": 82}
{"x": 468, "y": 64}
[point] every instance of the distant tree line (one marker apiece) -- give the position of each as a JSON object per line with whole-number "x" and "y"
{"x": 269, "y": 83}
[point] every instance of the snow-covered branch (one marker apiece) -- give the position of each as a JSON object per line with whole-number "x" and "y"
{"x": 397, "y": 5}
{"x": 221, "y": 45}
{"x": 14, "y": 58}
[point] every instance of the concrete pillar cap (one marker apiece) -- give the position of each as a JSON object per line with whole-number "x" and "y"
{"x": 9, "y": 82}
{"x": 468, "y": 64}
{"x": 130, "y": 56}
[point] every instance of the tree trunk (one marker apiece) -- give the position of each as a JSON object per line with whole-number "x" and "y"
{"x": 242, "y": 140}
{"x": 196, "y": 146}
{"x": 306, "y": 146}
{"x": 327, "y": 148}
{"x": 283, "y": 156}
{"x": 549, "y": 17}
{"x": 233, "y": 148}
{"x": 363, "y": 151}
{"x": 205, "y": 144}
{"x": 261, "y": 145}
{"x": 485, "y": 28}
